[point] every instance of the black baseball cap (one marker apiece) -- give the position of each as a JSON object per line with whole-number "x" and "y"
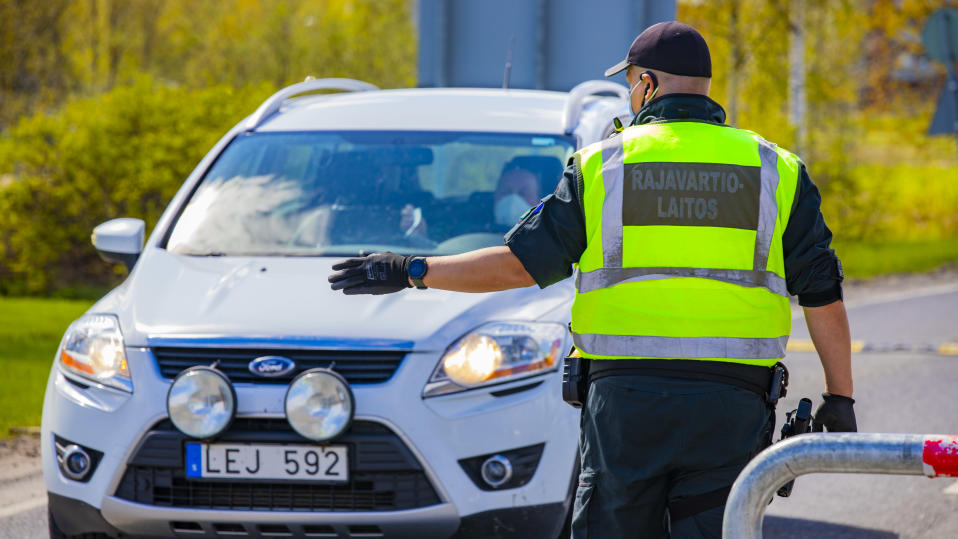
{"x": 672, "y": 47}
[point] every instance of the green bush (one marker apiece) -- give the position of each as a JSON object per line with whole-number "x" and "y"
{"x": 121, "y": 154}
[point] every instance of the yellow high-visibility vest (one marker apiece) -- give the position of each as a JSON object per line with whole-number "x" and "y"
{"x": 684, "y": 224}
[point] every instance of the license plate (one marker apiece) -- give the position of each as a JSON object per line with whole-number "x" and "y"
{"x": 267, "y": 461}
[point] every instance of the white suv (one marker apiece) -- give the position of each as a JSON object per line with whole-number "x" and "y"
{"x": 223, "y": 390}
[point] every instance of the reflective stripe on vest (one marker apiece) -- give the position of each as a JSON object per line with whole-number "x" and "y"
{"x": 680, "y": 347}
{"x": 606, "y": 277}
{"x": 767, "y": 207}
{"x": 612, "y": 171}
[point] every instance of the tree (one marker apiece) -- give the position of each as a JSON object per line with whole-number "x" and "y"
{"x": 124, "y": 153}
{"x": 55, "y": 48}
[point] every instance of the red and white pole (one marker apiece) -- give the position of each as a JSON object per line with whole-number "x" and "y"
{"x": 939, "y": 456}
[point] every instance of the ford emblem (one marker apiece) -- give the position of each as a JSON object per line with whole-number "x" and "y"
{"x": 271, "y": 366}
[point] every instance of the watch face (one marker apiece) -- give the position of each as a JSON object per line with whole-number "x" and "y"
{"x": 417, "y": 268}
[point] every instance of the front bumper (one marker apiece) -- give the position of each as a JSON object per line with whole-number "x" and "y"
{"x": 437, "y": 433}
{"x": 75, "y": 517}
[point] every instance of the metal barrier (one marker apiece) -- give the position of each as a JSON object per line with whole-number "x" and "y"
{"x": 901, "y": 454}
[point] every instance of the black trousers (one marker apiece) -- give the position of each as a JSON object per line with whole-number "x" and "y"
{"x": 648, "y": 440}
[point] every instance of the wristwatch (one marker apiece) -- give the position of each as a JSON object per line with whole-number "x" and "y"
{"x": 417, "y": 270}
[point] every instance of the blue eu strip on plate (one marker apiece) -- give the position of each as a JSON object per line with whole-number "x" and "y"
{"x": 194, "y": 460}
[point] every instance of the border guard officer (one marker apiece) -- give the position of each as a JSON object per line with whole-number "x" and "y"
{"x": 687, "y": 238}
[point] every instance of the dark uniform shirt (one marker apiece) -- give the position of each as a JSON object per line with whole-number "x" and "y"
{"x": 550, "y": 238}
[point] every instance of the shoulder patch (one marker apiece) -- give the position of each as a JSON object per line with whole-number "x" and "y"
{"x": 531, "y": 211}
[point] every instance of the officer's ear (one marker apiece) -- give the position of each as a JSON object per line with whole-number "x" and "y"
{"x": 651, "y": 85}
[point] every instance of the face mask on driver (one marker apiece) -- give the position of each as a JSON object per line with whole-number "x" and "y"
{"x": 509, "y": 209}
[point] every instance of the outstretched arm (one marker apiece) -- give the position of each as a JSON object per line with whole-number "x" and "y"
{"x": 483, "y": 270}
{"x": 828, "y": 327}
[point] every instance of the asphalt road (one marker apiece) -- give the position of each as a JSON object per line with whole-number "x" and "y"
{"x": 921, "y": 316}
{"x": 895, "y": 392}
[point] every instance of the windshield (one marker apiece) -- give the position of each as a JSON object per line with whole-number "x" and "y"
{"x": 337, "y": 194}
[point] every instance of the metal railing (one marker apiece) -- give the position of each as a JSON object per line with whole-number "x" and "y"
{"x": 901, "y": 454}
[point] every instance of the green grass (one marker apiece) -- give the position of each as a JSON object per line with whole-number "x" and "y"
{"x": 863, "y": 260}
{"x": 30, "y": 330}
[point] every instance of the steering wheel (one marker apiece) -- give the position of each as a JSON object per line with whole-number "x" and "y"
{"x": 322, "y": 218}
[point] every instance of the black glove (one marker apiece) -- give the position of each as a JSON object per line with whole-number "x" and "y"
{"x": 377, "y": 274}
{"x": 836, "y": 414}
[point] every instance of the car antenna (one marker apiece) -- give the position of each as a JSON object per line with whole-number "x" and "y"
{"x": 508, "y": 73}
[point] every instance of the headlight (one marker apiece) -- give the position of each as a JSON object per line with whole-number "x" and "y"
{"x": 497, "y": 352}
{"x": 93, "y": 348}
{"x": 201, "y": 402}
{"x": 319, "y": 404}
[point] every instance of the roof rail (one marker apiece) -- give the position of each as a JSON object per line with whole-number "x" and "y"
{"x": 576, "y": 101}
{"x": 276, "y": 101}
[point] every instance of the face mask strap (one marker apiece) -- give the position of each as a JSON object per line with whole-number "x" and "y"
{"x": 655, "y": 82}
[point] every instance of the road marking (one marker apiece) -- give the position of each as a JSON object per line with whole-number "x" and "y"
{"x": 806, "y": 345}
{"x": 948, "y": 349}
{"x": 951, "y": 489}
{"x": 21, "y": 507}
{"x": 943, "y": 349}
{"x": 800, "y": 345}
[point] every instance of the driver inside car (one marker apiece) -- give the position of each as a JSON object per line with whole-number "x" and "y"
{"x": 516, "y": 192}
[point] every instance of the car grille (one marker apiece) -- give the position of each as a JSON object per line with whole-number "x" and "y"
{"x": 358, "y": 367}
{"x": 384, "y": 475}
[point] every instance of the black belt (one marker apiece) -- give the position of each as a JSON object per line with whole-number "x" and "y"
{"x": 751, "y": 377}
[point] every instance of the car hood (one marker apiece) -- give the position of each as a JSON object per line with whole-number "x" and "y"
{"x": 171, "y": 297}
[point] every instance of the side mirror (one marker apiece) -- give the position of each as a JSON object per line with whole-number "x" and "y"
{"x": 120, "y": 241}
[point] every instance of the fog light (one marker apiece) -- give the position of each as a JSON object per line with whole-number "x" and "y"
{"x": 496, "y": 470}
{"x": 319, "y": 404}
{"x": 75, "y": 462}
{"x": 201, "y": 402}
